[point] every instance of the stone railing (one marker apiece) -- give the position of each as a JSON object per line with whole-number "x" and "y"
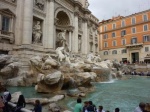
{"x": 12, "y": 105}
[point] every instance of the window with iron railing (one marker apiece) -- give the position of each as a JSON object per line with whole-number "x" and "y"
{"x": 105, "y": 52}
{"x": 134, "y": 30}
{"x": 123, "y": 32}
{"x": 145, "y": 17}
{"x": 5, "y": 28}
{"x": 105, "y": 36}
{"x": 146, "y": 49}
{"x": 113, "y": 34}
{"x": 146, "y": 38}
{"x": 133, "y": 21}
{"x": 105, "y": 44}
{"x": 145, "y": 27}
{"x": 114, "y": 52}
{"x": 123, "y": 41}
{"x": 124, "y": 51}
{"x": 134, "y": 40}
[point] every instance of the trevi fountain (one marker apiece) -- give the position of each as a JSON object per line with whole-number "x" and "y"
{"x": 52, "y": 55}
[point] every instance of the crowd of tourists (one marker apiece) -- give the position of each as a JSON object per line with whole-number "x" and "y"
{"x": 90, "y": 107}
{"x": 21, "y": 103}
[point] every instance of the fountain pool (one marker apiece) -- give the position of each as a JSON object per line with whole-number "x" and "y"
{"x": 125, "y": 94}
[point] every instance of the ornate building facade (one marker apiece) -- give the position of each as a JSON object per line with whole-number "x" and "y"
{"x": 126, "y": 38}
{"x": 34, "y": 27}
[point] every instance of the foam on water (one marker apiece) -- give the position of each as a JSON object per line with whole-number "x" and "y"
{"x": 110, "y": 81}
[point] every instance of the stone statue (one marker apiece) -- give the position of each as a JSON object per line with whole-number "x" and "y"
{"x": 97, "y": 59}
{"x": 86, "y": 4}
{"x": 62, "y": 55}
{"x": 40, "y": 4}
{"x": 62, "y": 40}
{"x": 59, "y": 52}
{"x": 37, "y": 33}
{"x": 79, "y": 43}
{"x": 90, "y": 58}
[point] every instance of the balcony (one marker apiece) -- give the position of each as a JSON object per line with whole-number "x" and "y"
{"x": 7, "y": 36}
{"x": 135, "y": 45}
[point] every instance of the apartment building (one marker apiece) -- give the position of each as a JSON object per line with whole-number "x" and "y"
{"x": 126, "y": 38}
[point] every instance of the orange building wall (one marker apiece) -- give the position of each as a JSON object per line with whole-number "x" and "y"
{"x": 139, "y": 31}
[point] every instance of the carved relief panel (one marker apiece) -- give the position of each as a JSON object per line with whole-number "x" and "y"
{"x": 40, "y": 4}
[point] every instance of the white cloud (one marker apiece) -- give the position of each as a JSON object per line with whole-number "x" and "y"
{"x": 105, "y": 9}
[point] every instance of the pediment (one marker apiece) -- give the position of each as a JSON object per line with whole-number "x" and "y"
{"x": 8, "y": 11}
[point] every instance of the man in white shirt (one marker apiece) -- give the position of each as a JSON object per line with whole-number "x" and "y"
{"x": 100, "y": 109}
{"x": 140, "y": 108}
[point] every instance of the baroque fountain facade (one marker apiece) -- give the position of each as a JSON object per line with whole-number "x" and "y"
{"x": 52, "y": 44}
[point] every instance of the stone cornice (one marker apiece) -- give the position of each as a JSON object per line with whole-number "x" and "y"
{"x": 11, "y": 3}
{"x": 39, "y": 12}
{"x": 69, "y": 28}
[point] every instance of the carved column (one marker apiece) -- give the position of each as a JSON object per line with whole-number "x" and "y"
{"x": 85, "y": 37}
{"x": 19, "y": 24}
{"x": 75, "y": 40}
{"x": 70, "y": 40}
{"x": 50, "y": 25}
{"x": 27, "y": 22}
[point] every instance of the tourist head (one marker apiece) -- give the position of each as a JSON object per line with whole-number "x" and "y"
{"x": 79, "y": 100}
{"x": 21, "y": 98}
{"x": 86, "y": 103}
{"x": 5, "y": 89}
{"x": 117, "y": 109}
{"x": 100, "y": 108}
{"x": 142, "y": 105}
{"x": 37, "y": 102}
{"x": 90, "y": 103}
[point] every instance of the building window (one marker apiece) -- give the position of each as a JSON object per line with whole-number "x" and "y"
{"x": 133, "y": 21}
{"x": 113, "y": 26}
{"x": 122, "y": 23}
{"x": 146, "y": 38}
{"x": 5, "y": 23}
{"x": 123, "y": 42}
{"x": 114, "y": 52}
{"x": 113, "y": 34}
{"x": 105, "y": 44}
{"x": 124, "y": 51}
{"x": 134, "y": 30}
{"x": 145, "y": 27}
{"x": 145, "y": 18}
{"x": 123, "y": 32}
{"x": 146, "y": 49}
{"x": 134, "y": 40}
{"x": 114, "y": 43}
{"x": 105, "y": 36}
{"x": 105, "y": 28}
{"x": 105, "y": 52}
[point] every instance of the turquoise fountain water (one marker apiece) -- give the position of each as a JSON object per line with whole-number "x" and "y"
{"x": 125, "y": 94}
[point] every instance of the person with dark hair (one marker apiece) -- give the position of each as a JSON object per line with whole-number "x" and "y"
{"x": 85, "y": 106}
{"x": 91, "y": 107}
{"x": 100, "y": 109}
{"x": 117, "y": 110}
{"x": 20, "y": 104}
{"x": 37, "y": 107}
{"x": 78, "y": 107}
{"x": 140, "y": 108}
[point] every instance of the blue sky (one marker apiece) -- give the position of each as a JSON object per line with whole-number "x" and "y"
{"x": 106, "y": 9}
